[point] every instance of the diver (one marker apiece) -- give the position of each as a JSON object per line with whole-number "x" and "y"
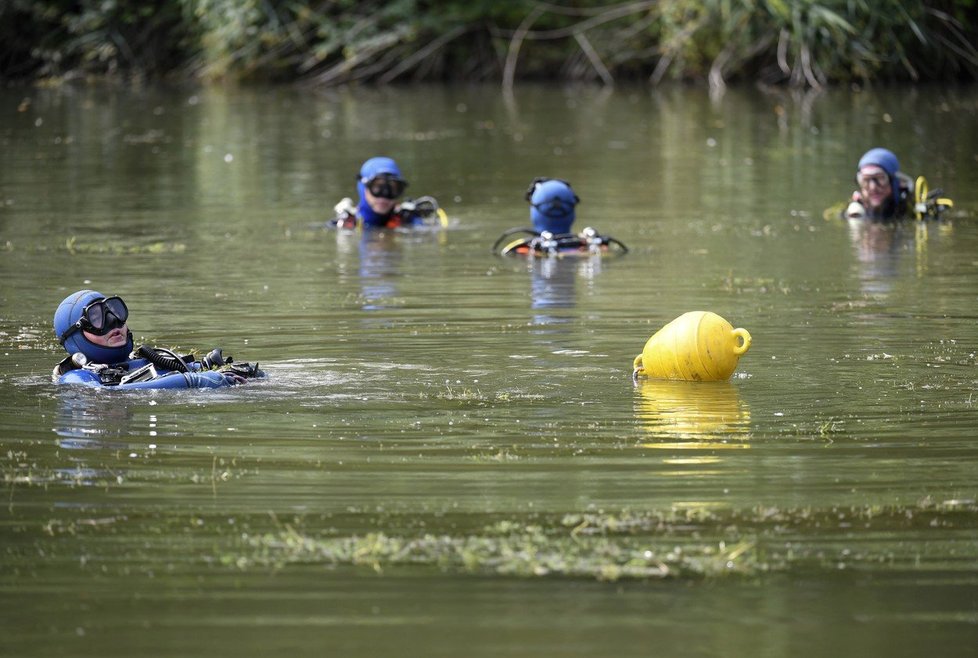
{"x": 93, "y": 330}
{"x": 552, "y": 212}
{"x": 380, "y": 184}
{"x": 886, "y": 193}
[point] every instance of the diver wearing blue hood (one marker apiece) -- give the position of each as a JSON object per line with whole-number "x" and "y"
{"x": 552, "y": 205}
{"x": 379, "y": 185}
{"x": 884, "y": 191}
{"x": 552, "y": 211}
{"x": 93, "y": 330}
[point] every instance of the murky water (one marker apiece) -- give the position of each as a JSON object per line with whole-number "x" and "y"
{"x": 449, "y": 456}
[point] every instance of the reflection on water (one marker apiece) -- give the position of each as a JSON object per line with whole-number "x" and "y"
{"x": 89, "y": 419}
{"x": 701, "y": 415}
{"x": 877, "y": 244}
{"x": 884, "y": 250}
{"x": 374, "y": 260}
{"x": 878, "y": 247}
{"x": 553, "y": 285}
{"x": 380, "y": 259}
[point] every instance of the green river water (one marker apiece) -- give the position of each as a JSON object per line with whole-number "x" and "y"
{"x": 449, "y": 457}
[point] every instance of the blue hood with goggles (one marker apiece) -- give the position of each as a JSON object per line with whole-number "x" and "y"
{"x": 67, "y": 318}
{"x": 376, "y": 168}
{"x": 885, "y": 160}
{"x": 552, "y": 203}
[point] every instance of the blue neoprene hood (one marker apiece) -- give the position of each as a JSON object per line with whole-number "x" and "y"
{"x": 68, "y": 313}
{"x": 552, "y": 206}
{"x": 885, "y": 160}
{"x": 371, "y": 169}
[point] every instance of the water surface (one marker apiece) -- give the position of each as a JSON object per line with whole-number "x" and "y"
{"x": 449, "y": 456}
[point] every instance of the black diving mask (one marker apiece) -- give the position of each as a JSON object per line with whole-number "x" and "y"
{"x": 99, "y": 318}
{"x": 386, "y": 186}
{"x": 866, "y": 180}
{"x": 555, "y": 208}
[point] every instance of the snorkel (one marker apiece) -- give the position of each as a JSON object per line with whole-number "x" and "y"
{"x": 552, "y": 203}
{"x": 69, "y": 312}
{"x": 371, "y": 169}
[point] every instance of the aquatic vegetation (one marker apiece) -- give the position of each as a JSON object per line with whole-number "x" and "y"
{"x": 121, "y": 248}
{"x": 521, "y": 550}
{"x": 461, "y": 393}
{"x": 830, "y": 426}
{"x": 682, "y": 542}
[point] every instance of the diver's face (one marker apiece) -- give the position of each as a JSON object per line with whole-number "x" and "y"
{"x": 379, "y": 205}
{"x": 118, "y": 337}
{"x": 874, "y": 187}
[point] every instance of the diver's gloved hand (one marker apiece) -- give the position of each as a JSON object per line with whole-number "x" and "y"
{"x": 346, "y": 213}
{"x": 855, "y": 210}
{"x": 233, "y": 373}
{"x": 243, "y": 370}
{"x": 423, "y": 207}
{"x": 233, "y": 379}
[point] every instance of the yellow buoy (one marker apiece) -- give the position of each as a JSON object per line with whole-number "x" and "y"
{"x": 696, "y": 346}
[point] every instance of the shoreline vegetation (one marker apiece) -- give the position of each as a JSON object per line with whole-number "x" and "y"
{"x": 807, "y": 44}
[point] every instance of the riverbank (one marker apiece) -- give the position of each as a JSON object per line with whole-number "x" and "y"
{"x": 807, "y": 46}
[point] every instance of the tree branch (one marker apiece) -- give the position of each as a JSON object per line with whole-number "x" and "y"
{"x": 418, "y": 56}
{"x": 509, "y": 71}
{"x": 594, "y": 58}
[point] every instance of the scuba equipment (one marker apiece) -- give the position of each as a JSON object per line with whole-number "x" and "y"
{"x": 99, "y": 318}
{"x": 696, "y": 346}
{"x": 155, "y": 367}
{"x": 929, "y": 203}
{"x": 164, "y": 358}
{"x": 143, "y": 374}
{"x": 214, "y": 360}
{"x": 423, "y": 211}
{"x": 244, "y": 370}
{"x": 867, "y": 179}
{"x": 386, "y": 186}
{"x": 545, "y": 243}
{"x": 71, "y": 362}
{"x": 552, "y": 211}
{"x": 426, "y": 209}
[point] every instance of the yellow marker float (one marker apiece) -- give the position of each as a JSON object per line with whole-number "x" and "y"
{"x": 696, "y": 346}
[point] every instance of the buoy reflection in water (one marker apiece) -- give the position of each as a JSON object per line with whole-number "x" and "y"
{"x": 692, "y": 415}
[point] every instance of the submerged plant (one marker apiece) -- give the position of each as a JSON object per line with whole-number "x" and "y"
{"x": 682, "y": 542}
